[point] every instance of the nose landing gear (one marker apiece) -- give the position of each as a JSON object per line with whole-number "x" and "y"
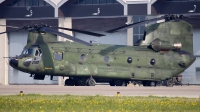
{"x": 91, "y": 82}
{"x": 153, "y": 84}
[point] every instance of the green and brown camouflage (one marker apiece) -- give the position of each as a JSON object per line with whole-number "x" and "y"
{"x": 172, "y": 32}
{"x": 158, "y": 57}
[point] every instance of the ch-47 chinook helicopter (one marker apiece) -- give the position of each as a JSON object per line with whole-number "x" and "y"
{"x": 164, "y": 52}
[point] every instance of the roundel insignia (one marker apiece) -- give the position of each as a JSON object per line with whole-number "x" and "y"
{"x": 153, "y": 62}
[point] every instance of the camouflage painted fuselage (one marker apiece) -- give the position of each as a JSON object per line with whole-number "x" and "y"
{"x": 95, "y": 64}
{"x": 143, "y": 62}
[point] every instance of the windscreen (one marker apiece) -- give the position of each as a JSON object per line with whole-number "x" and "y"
{"x": 29, "y": 51}
{"x": 32, "y": 51}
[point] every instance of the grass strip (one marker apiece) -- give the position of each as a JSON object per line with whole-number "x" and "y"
{"x": 72, "y": 103}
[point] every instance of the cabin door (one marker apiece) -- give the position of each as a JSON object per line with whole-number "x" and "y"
{"x": 72, "y": 68}
{"x": 36, "y": 60}
{"x": 93, "y": 69}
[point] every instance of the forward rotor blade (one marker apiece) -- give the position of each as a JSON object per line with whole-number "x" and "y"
{"x": 45, "y": 29}
{"x": 12, "y": 30}
{"x": 10, "y": 26}
{"x": 80, "y": 31}
{"x": 134, "y": 24}
{"x": 8, "y": 57}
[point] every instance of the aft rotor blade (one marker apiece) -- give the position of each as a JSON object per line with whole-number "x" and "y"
{"x": 189, "y": 14}
{"x": 45, "y": 29}
{"x": 193, "y": 18}
{"x": 134, "y": 24}
{"x": 80, "y": 31}
{"x": 10, "y": 26}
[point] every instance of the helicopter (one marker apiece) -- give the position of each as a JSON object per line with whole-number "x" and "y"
{"x": 163, "y": 53}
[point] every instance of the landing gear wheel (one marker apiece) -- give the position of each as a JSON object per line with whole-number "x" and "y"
{"x": 91, "y": 82}
{"x": 169, "y": 83}
{"x": 125, "y": 83}
{"x": 81, "y": 81}
{"x": 139, "y": 83}
{"x": 134, "y": 83}
{"x": 159, "y": 83}
{"x": 153, "y": 84}
{"x": 118, "y": 82}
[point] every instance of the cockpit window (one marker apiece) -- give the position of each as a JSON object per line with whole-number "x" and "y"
{"x": 40, "y": 52}
{"x": 30, "y": 51}
{"x": 25, "y": 51}
{"x": 36, "y": 53}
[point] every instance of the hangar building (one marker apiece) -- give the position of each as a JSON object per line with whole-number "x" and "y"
{"x": 90, "y": 15}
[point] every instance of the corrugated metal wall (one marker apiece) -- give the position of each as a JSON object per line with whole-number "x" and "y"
{"x": 190, "y": 75}
{"x": 17, "y": 41}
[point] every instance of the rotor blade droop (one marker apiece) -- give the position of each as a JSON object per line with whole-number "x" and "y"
{"x": 80, "y": 31}
{"x": 49, "y": 30}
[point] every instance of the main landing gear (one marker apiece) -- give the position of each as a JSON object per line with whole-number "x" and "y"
{"x": 90, "y": 81}
{"x": 149, "y": 83}
{"x": 169, "y": 83}
{"x": 118, "y": 82}
{"x": 81, "y": 81}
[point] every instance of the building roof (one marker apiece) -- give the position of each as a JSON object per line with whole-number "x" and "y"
{"x": 54, "y": 3}
{"x": 58, "y": 3}
{"x": 137, "y": 1}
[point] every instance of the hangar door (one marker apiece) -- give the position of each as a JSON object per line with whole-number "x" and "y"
{"x": 16, "y": 43}
{"x": 192, "y": 74}
{"x": 118, "y": 38}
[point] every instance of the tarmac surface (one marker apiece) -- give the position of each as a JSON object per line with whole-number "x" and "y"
{"x": 104, "y": 90}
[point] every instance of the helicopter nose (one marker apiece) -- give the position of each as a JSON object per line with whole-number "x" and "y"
{"x": 13, "y": 62}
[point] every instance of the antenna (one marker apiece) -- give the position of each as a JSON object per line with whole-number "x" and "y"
{"x": 193, "y": 10}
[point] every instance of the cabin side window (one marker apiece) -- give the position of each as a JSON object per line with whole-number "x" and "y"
{"x": 106, "y": 58}
{"x": 129, "y": 60}
{"x": 153, "y": 62}
{"x": 36, "y": 53}
{"x": 32, "y": 51}
{"x": 58, "y": 56}
{"x": 83, "y": 57}
{"x": 40, "y": 52}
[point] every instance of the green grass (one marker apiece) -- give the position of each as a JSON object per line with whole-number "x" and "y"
{"x": 71, "y": 103}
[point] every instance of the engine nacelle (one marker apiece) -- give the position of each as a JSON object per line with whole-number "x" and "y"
{"x": 160, "y": 45}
